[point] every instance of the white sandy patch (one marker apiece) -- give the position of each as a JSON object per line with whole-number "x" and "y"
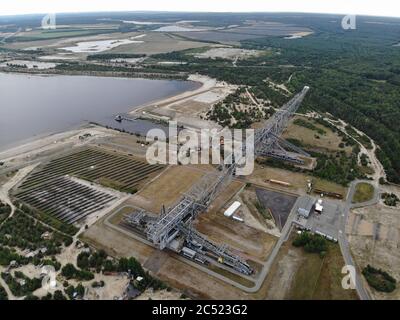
{"x": 144, "y": 23}
{"x": 227, "y": 53}
{"x": 30, "y": 64}
{"x": 27, "y": 151}
{"x": 298, "y": 35}
{"x": 212, "y": 96}
{"x": 159, "y": 295}
{"x": 178, "y": 28}
{"x": 101, "y": 45}
{"x": 172, "y": 62}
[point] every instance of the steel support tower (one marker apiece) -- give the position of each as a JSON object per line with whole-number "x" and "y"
{"x": 176, "y": 221}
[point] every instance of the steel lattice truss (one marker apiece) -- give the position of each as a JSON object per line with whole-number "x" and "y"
{"x": 177, "y": 220}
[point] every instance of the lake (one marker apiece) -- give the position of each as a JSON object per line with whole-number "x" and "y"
{"x": 32, "y": 105}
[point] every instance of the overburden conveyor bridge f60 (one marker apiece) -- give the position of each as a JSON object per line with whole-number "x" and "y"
{"x": 176, "y": 222}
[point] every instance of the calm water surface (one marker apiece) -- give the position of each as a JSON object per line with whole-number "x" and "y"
{"x": 36, "y": 105}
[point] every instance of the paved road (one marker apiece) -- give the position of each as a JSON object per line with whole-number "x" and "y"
{"x": 343, "y": 242}
{"x": 266, "y": 265}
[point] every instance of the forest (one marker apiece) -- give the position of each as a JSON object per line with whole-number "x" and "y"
{"x": 354, "y": 75}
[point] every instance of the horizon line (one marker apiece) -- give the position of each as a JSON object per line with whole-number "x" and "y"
{"x": 199, "y": 12}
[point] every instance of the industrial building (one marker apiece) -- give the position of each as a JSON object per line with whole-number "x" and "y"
{"x": 305, "y": 207}
{"x": 230, "y": 212}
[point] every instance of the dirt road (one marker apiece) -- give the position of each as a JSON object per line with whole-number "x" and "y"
{"x": 5, "y": 188}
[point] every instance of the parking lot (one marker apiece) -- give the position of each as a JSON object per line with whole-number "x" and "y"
{"x": 326, "y": 224}
{"x": 279, "y": 204}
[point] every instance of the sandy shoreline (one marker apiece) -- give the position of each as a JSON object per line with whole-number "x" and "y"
{"x": 206, "y": 84}
{"x": 46, "y": 141}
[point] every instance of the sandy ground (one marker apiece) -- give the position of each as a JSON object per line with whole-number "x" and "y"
{"x": 27, "y": 151}
{"x": 114, "y": 288}
{"x": 374, "y": 236}
{"x": 375, "y": 164}
{"x": 207, "y": 83}
{"x": 159, "y": 295}
{"x": 228, "y": 53}
{"x": 102, "y": 45}
{"x": 253, "y": 217}
{"x": 116, "y": 243}
{"x": 30, "y": 64}
{"x": 282, "y": 274}
{"x": 253, "y": 242}
{"x": 169, "y": 188}
{"x": 197, "y": 284}
{"x": 187, "y": 108}
{"x": 328, "y": 142}
{"x": 298, "y": 181}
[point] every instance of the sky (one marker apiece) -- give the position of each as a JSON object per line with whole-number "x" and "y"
{"x": 364, "y": 7}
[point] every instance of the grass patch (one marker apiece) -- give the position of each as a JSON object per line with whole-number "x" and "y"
{"x": 109, "y": 183}
{"x": 320, "y": 279}
{"x": 232, "y": 276}
{"x": 306, "y": 278}
{"x": 262, "y": 210}
{"x": 364, "y": 192}
{"x": 329, "y": 284}
{"x": 309, "y": 125}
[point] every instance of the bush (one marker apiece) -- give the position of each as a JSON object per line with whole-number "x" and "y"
{"x": 3, "y": 294}
{"x": 390, "y": 199}
{"x": 98, "y": 284}
{"x": 70, "y": 272}
{"x": 58, "y": 295}
{"x": 379, "y": 279}
{"x": 312, "y": 243}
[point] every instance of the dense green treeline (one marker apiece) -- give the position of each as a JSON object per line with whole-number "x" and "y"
{"x": 353, "y": 74}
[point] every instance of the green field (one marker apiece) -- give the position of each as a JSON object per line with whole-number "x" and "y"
{"x": 320, "y": 279}
{"x": 364, "y": 192}
{"x": 59, "y": 34}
